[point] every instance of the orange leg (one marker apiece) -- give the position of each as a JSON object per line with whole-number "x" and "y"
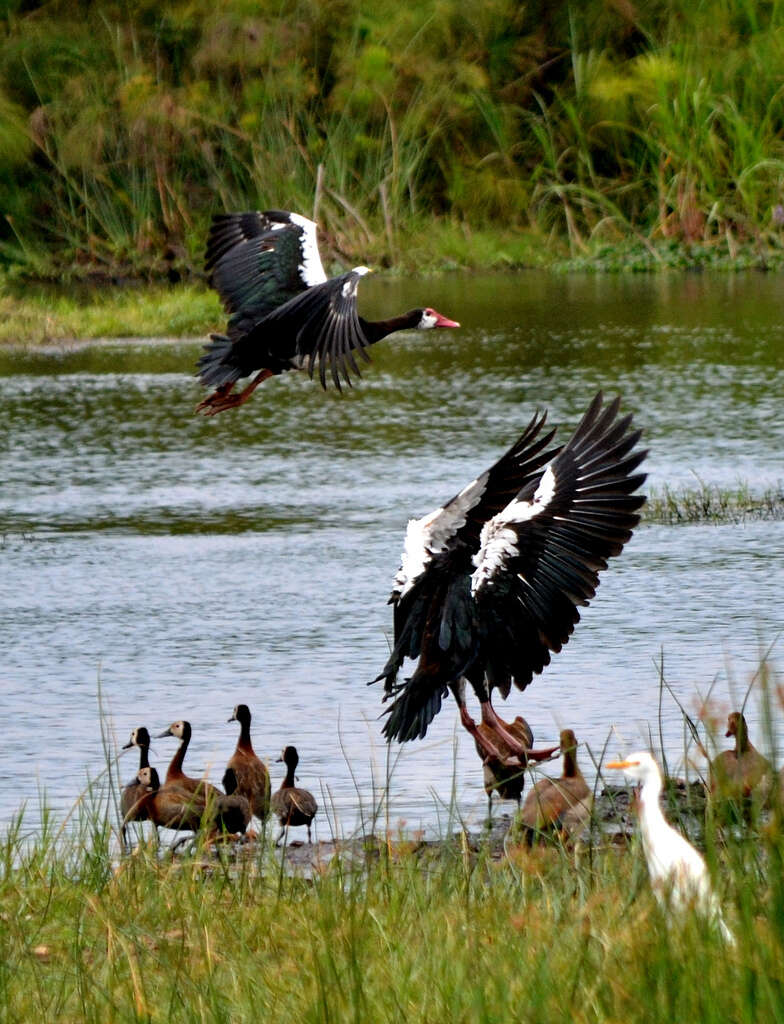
{"x": 222, "y": 398}
{"x": 491, "y": 719}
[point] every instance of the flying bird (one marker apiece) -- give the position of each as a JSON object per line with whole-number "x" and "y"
{"x": 490, "y": 583}
{"x": 678, "y": 872}
{"x": 284, "y": 313}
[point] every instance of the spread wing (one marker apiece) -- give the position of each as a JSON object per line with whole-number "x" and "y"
{"x": 257, "y": 261}
{"x": 540, "y": 557}
{"x": 323, "y": 324}
{"x": 439, "y": 546}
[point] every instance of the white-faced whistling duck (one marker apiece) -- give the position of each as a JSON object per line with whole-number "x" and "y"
{"x": 290, "y": 804}
{"x": 175, "y": 807}
{"x": 742, "y": 772}
{"x": 559, "y": 805}
{"x": 134, "y": 791}
{"x": 284, "y": 312}
{"x": 679, "y": 877}
{"x": 490, "y": 583}
{"x": 504, "y": 777}
{"x": 245, "y": 773}
{"x": 181, "y": 730}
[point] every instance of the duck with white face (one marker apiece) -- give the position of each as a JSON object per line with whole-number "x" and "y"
{"x": 132, "y": 793}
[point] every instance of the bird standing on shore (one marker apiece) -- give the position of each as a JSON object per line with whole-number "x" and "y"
{"x": 504, "y": 777}
{"x": 679, "y": 875}
{"x": 559, "y": 805}
{"x": 490, "y": 582}
{"x": 739, "y": 773}
{"x": 285, "y": 313}
{"x": 290, "y": 804}
{"x": 245, "y": 773}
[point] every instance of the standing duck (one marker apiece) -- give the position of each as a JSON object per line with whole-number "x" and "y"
{"x": 491, "y": 581}
{"x": 284, "y": 312}
{"x": 175, "y": 807}
{"x": 504, "y": 777}
{"x": 737, "y": 774}
{"x": 678, "y": 873}
{"x": 290, "y": 804}
{"x": 245, "y": 773}
{"x": 135, "y": 790}
{"x": 181, "y": 730}
{"x": 562, "y": 805}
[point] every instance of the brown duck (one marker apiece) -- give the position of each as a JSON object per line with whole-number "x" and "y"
{"x": 563, "y": 805}
{"x": 735, "y": 774}
{"x": 135, "y": 790}
{"x": 174, "y": 774}
{"x": 172, "y": 806}
{"x": 290, "y": 804}
{"x": 245, "y": 773}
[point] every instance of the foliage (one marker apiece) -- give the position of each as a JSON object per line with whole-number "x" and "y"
{"x": 123, "y": 127}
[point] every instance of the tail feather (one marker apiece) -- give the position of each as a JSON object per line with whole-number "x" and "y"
{"x": 413, "y": 711}
{"x": 219, "y": 365}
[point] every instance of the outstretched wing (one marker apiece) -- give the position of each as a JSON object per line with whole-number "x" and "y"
{"x": 257, "y": 261}
{"x": 324, "y": 324}
{"x": 540, "y": 557}
{"x": 439, "y": 546}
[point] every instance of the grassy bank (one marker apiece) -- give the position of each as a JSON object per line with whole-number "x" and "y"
{"x": 657, "y": 127}
{"x": 542, "y": 935}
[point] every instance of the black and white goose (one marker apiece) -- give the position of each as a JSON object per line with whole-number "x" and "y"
{"x": 285, "y": 313}
{"x": 490, "y": 583}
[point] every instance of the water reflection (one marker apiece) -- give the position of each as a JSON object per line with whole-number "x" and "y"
{"x": 188, "y": 564}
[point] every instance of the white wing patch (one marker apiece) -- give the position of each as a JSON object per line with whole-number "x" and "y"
{"x": 311, "y": 270}
{"x": 430, "y": 535}
{"x": 498, "y": 540}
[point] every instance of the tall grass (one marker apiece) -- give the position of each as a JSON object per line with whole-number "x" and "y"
{"x": 123, "y": 127}
{"x": 404, "y": 932}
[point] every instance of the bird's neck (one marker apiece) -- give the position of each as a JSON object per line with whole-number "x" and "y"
{"x": 741, "y": 742}
{"x": 375, "y": 330}
{"x": 651, "y": 816}
{"x": 244, "y": 743}
{"x": 144, "y": 757}
{"x": 288, "y": 782}
{"x": 175, "y": 768}
{"x": 570, "y": 769}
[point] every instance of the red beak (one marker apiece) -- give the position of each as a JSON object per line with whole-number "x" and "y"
{"x": 444, "y": 321}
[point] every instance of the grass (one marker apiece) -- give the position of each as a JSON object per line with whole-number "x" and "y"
{"x": 708, "y": 503}
{"x": 408, "y": 932}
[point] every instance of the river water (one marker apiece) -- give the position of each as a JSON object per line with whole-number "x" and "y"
{"x": 175, "y": 566}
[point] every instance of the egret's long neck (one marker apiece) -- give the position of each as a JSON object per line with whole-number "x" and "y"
{"x": 651, "y": 818}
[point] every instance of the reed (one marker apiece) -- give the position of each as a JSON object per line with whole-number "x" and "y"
{"x": 123, "y": 128}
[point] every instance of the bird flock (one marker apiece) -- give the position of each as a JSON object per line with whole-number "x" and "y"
{"x": 489, "y": 586}
{"x": 188, "y": 804}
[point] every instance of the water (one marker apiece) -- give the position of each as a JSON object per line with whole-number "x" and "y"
{"x": 180, "y": 565}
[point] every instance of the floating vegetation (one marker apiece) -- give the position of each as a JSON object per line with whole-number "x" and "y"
{"x": 709, "y": 503}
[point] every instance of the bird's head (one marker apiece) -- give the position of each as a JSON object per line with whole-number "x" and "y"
{"x": 736, "y": 724}
{"x": 148, "y": 777}
{"x": 639, "y": 766}
{"x": 181, "y": 730}
{"x": 432, "y": 318}
{"x": 241, "y": 714}
{"x": 139, "y": 738}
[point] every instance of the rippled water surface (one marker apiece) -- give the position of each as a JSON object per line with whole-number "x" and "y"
{"x": 181, "y": 565}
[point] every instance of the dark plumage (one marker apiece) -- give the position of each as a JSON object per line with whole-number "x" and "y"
{"x": 290, "y": 804}
{"x": 491, "y": 582}
{"x": 563, "y": 805}
{"x": 245, "y": 773}
{"x": 132, "y": 793}
{"x": 284, "y": 312}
